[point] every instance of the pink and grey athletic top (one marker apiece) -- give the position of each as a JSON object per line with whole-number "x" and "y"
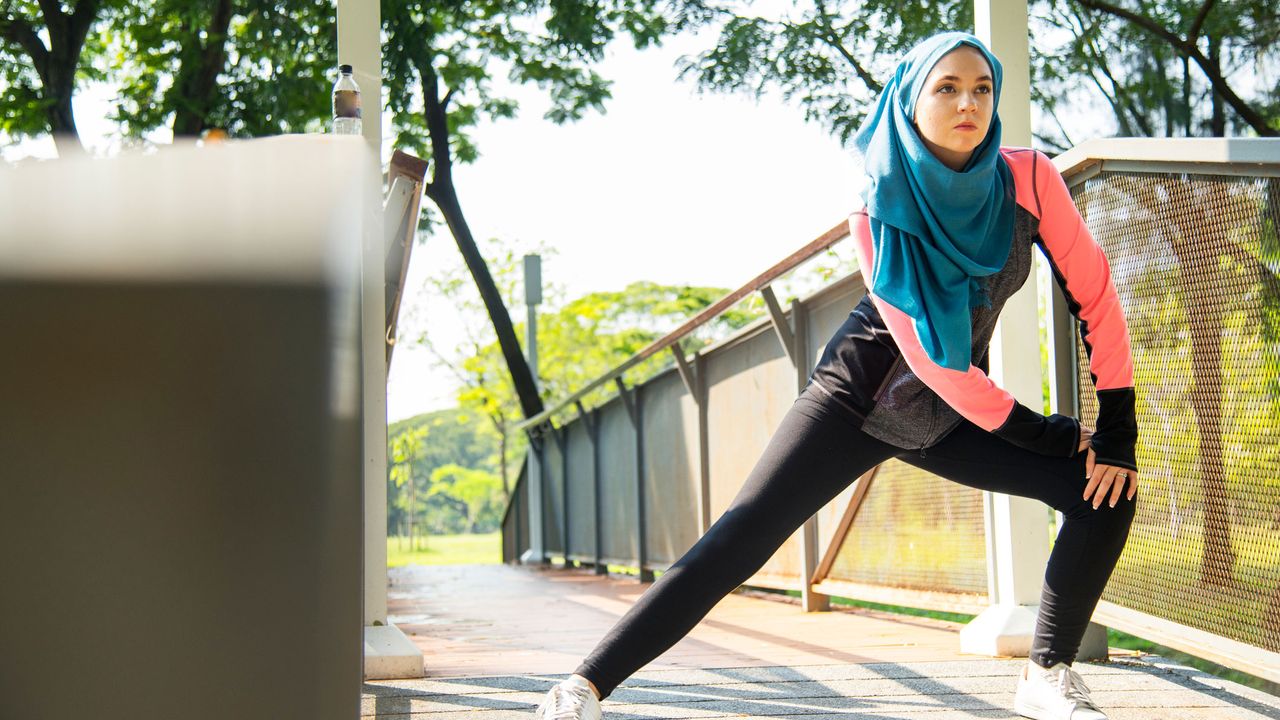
{"x": 875, "y": 368}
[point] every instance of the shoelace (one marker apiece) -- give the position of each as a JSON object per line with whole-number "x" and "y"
{"x": 1072, "y": 687}
{"x": 567, "y": 702}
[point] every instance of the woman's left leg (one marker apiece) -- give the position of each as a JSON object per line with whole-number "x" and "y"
{"x": 1088, "y": 544}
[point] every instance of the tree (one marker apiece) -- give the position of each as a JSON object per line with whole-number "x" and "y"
{"x": 250, "y": 67}
{"x": 476, "y": 492}
{"x": 39, "y": 78}
{"x": 407, "y": 449}
{"x": 452, "y": 437}
{"x": 579, "y": 339}
{"x": 827, "y": 60}
{"x": 439, "y": 62}
{"x": 1250, "y": 29}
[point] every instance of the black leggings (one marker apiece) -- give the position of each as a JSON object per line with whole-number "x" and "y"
{"x": 815, "y": 453}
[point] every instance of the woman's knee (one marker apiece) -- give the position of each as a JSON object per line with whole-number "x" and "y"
{"x": 1119, "y": 517}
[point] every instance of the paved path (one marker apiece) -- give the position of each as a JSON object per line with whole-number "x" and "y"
{"x": 497, "y": 637}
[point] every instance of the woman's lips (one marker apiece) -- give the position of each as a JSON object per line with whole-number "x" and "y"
{"x": 966, "y": 126}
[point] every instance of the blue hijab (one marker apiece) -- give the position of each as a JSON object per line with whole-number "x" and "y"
{"x": 935, "y": 231}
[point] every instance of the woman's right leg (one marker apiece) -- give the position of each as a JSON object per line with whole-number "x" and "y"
{"x": 814, "y": 454}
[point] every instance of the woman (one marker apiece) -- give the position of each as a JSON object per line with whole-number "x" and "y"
{"x": 944, "y": 240}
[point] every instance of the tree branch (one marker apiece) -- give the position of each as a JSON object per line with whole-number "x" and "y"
{"x": 835, "y": 42}
{"x": 20, "y": 32}
{"x": 1212, "y": 73}
{"x": 437, "y": 127}
{"x": 1194, "y": 32}
{"x": 80, "y": 21}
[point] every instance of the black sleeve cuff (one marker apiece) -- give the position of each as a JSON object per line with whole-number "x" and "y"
{"x": 1116, "y": 438}
{"x": 1057, "y": 435}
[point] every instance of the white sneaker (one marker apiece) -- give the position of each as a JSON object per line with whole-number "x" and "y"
{"x": 1055, "y": 693}
{"x": 572, "y": 699}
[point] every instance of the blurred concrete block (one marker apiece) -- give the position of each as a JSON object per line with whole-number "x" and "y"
{"x": 180, "y": 433}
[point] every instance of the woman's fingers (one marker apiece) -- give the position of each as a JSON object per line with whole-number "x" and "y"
{"x": 1105, "y": 475}
{"x": 1093, "y": 473}
{"x": 1107, "y": 485}
{"x": 1117, "y": 488}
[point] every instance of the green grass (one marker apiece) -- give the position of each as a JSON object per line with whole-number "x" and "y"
{"x": 446, "y": 550}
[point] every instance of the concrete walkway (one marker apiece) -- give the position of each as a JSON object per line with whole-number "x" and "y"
{"x": 497, "y": 637}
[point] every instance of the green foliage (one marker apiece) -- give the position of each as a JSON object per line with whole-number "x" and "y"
{"x": 450, "y": 457}
{"x": 46, "y": 53}
{"x": 827, "y": 60}
{"x": 831, "y": 61}
{"x": 274, "y": 73}
{"x": 449, "y": 52}
{"x": 478, "y": 494}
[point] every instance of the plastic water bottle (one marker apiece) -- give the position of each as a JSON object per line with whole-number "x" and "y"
{"x": 346, "y": 104}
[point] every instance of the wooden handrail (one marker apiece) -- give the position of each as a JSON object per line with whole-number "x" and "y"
{"x": 787, "y": 264}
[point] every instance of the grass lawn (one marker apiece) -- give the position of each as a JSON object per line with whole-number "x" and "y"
{"x": 446, "y": 550}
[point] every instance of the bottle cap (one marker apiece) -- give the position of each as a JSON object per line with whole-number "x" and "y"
{"x": 344, "y": 68}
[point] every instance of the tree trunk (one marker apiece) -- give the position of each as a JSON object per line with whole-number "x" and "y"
{"x": 197, "y": 78}
{"x": 412, "y": 507}
{"x": 1202, "y": 302}
{"x": 1218, "y": 119}
{"x": 445, "y": 196}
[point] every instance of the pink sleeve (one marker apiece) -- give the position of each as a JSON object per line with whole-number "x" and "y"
{"x": 1082, "y": 271}
{"x": 972, "y": 393}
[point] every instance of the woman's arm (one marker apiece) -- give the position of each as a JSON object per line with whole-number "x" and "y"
{"x": 1081, "y": 270}
{"x": 971, "y": 393}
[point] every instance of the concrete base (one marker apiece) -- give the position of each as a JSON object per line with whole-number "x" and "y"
{"x": 1007, "y": 630}
{"x": 1094, "y": 644}
{"x": 1001, "y": 630}
{"x": 390, "y": 655}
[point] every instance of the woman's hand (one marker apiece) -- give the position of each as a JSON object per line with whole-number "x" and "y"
{"x": 1104, "y": 479}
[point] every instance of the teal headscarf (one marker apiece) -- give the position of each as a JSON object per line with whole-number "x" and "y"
{"x": 935, "y": 231}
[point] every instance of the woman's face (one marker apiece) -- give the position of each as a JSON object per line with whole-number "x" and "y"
{"x": 956, "y": 102}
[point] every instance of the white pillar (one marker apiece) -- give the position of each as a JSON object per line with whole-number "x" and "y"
{"x": 388, "y": 653}
{"x": 1017, "y": 528}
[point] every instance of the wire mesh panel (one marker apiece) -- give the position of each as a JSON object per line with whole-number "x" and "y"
{"x": 553, "y": 495}
{"x": 751, "y": 385}
{"x": 917, "y": 531}
{"x": 618, "y": 483}
{"x": 1195, "y": 261}
{"x": 582, "y": 493}
{"x": 671, "y": 469}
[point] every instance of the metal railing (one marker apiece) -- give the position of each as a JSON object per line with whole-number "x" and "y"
{"x": 638, "y": 479}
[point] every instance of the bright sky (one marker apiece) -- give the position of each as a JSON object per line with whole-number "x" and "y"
{"x": 669, "y": 186}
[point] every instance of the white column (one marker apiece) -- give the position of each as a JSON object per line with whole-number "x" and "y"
{"x": 1017, "y": 528}
{"x": 388, "y": 653}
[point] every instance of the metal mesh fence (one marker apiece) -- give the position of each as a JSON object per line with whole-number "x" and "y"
{"x": 1195, "y": 259}
{"x": 917, "y": 531}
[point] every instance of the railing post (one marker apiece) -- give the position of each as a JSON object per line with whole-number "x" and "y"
{"x": 632, "y": 399}
{"x": 592, "y": 422}
{"x": 562, "y": 442}
{"x": 692, "y": 377}
{"x": 536, "y": 496}
{"x": 704, "y": 444}
{"x": 810, "y": 555}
